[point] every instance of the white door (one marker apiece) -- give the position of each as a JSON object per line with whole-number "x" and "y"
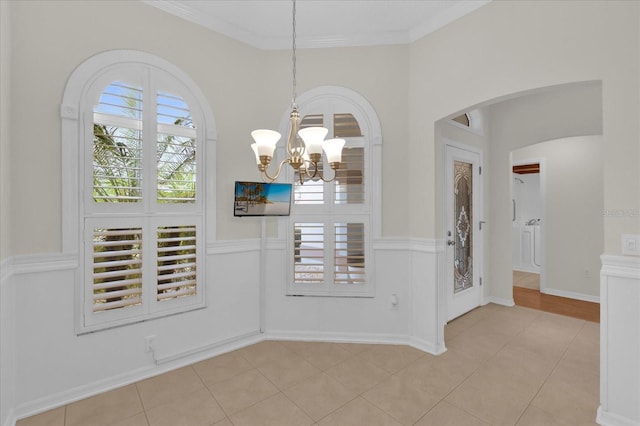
{"x": 463, "y": 236}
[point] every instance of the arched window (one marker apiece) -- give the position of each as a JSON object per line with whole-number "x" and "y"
{"x": 137, "y": 128}
{"x": 332, "y": 223}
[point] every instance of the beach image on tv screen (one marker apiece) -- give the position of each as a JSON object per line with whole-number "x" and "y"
{"x": 262, "y": 199}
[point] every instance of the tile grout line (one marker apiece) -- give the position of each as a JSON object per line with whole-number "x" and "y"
{"x": 555, "y": 366}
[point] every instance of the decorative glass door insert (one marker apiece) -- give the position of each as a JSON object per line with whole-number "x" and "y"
{"x": 463, "y": 208}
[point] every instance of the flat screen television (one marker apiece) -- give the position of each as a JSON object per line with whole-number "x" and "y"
{"x": 262, "y": 199}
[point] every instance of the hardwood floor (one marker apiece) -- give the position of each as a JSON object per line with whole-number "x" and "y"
{"x": 530, "y": 298}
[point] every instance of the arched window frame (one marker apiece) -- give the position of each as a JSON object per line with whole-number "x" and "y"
{"x": 76, "y": 123}
{"x": 322, "y": 99}
{"x": 475, "y": 118}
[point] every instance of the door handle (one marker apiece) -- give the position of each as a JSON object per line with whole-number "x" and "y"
{"x": 451, "y": 243}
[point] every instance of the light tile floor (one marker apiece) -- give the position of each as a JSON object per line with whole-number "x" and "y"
{"x": 504, "y": 366}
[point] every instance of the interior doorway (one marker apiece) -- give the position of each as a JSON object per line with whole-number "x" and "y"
{"x": 557, "y": 226}
{"x": 528, "y": 223}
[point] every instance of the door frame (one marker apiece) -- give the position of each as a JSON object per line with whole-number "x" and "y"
{"x": 478, "y": 258}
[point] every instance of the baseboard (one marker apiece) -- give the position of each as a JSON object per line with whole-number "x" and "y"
{"x": 210, "y": 350}
{"x": 605, "y": 418}
{"x": 427, "y": 347}
{"x": 335, "y": 337}
{"x": 571, "y": 295}
{"x": 500, "y": 301}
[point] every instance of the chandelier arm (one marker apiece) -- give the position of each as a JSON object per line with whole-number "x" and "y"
{"x": 321, "y": 175}
{"x": 278, "y": 170}
{"x": 334, "y": 166}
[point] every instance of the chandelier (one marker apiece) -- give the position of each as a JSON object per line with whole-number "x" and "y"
{"x": 304, "y": 147}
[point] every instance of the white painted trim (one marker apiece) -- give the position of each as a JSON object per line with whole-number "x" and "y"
{"x": 276, "y": 244}
{"x": 427, "y": 245}
{"x": 499, "y": 301}
{"x": 369, "y": 338}
{"x": 428, "y": 347}
{"x": 211, "y": 348}
{"x": 378, "y": 38}
{"x": 233, "y": 246}
{"x": 335, "y": 337}
{"x": 620, "y": 266}
{"x": 571, "y": 295}
{"x": 476, "y": 122}
{"x": 391, "y": 244}
{"x": 605, "y": 418}
{"x": 5, "y": 269}
{"x": 49, "y": 262}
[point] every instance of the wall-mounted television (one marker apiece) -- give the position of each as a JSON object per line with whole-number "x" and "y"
{"x": 262, "y": 199}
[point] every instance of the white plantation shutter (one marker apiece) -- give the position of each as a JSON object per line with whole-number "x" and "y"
{"x": 330, "y": 220}
{"x": 143, "y": 210}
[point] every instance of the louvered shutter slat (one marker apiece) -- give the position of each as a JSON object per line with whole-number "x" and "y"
{"x": 176, "y": 151}
{"x": 349, "y": 253}
{"x": 308, "y": 253}
{"x": 117, "y": 144}
{"x": 117, "y": 268}
{"x": 115, "y": 284}
{"x": 177, "y": 276}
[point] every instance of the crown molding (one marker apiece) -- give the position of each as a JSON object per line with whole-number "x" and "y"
{"x": 379, "y": 38}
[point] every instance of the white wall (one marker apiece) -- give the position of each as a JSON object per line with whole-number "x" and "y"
{"x": 573, "y": 218}
{"x": 506, "y": 52}
{"x": 6, "y": 305}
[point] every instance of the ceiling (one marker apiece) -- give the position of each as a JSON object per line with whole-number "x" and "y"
{"x": 266, "y": 24}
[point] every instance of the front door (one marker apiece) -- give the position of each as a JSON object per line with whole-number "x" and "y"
{"x": 463, "y": 236}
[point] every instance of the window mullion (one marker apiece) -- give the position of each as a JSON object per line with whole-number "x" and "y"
{"x": 149, "y": 266}
{"x": 329, "y": 253}
{"x": 149, "y": 138}
{"x": 329, "y": 195}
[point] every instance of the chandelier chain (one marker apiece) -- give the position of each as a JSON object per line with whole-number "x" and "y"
{"x": 294, "y": 95}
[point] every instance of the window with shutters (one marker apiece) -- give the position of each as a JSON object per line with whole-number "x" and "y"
{"x": 141, "y": 145}
{"x": 331, "y": 222}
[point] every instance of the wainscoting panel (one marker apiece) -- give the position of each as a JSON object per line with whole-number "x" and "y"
{"x": 619, "y": 341}
{"x": 7, "y": 360}
{"x": 46, "y": 365}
